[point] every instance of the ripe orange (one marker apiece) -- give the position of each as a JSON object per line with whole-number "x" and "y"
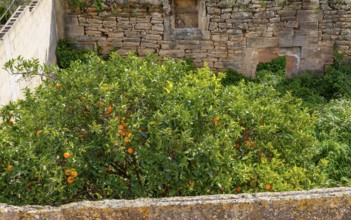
{"x": 70, "y": 180}
{"x": 238, "y": 189}
{"x": 101, "y": 104}
{"x": 68, "y": 172}
{"x": 109, "y": 109}
{"x": 120, "y": 127}
{"x": 215, "y": 119}
{"x": 126, "y": 139}
{"x": 122, "y": 132}
{"x": 130, "y": 150}
{"x": 58, "y": 86}
{"x": 67, "y": 155}
{"x": 9, "y": 167}
{"x": 10, "y": 122}
{"x": 267, "y": 187}
{"x": 38, "y": 132}
{"x": 124, "y": 125}
{"x": 247, "y": 143}
{"x": 74, "y": 174}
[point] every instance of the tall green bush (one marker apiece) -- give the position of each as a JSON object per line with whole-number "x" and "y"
{"x": 133, "y": 127}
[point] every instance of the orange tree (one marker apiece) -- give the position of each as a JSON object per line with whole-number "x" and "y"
{"x": 132, "y": 127}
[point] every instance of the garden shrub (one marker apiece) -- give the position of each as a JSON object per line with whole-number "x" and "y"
{"x": 68, "y": 52}
{"x": 333, "y": 130}
{"x": 131, "y": 127}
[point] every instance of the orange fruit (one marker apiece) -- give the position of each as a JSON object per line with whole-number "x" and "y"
{"x": 238, "y": 189}
{"x": 67, "y": 155}
{"x": 126, "y": 139}
{"x": 267, "y": 187}
{"x": 120, "y": 127}
{"x": 130, "y": 150}
{"x": 124, "y": 125}
{"x": 68, "y": 172}
{"x": 101, "y": 104}
{"x": 215, "y": 119}
{"x": 10, "y": 122}
{"x": 122, "y": 132}
{"x": 38, "y": 132}
{"x": 74, "y": 174}
{"x": 247, "y": 143}
{"x": 9, "y": 167}
{"x": 109, "y": 109}
{"x": 58, "y": 86}
{"x": 70, "y": 180}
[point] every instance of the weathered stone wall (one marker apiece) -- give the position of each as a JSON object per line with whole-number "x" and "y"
{"x": 30, "y": 32}
{"x": 316, "y": 204}
{"x": 234, "y": 34}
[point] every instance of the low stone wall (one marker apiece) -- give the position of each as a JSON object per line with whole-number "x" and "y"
{"x": 226, "y": 34}
{"x": 30, "y": 32}
{"x": 315, "y": 204}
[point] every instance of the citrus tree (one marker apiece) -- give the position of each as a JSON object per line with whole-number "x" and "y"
{"x": 133, "y": 127}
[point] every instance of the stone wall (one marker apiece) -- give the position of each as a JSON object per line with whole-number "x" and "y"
{"x": 315, "y": 204}
{"x": 234, "y": 34}
{"x": 30, "y": 32}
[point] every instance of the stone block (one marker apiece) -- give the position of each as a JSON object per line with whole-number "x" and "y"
{"x": 309, "y": 15}
{"x": 143, "y": 26}
{"x": 172, "y": 53}
{"x": 130, "y": 44}
{"x": 72, "y": 32}
{"x": 218, "y": 53}
{"x": 153, "y": 37}
{"x": 71, "y": 20}
{"x": 260, "y": 42}
{"x": 157, "y": 27}
{"x": 132, "y": 34}
{"x": 220, "y": 37}
{"x": 286, "y": 37}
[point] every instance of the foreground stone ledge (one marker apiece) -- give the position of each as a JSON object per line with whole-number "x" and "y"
{"x": 314, "y": 204}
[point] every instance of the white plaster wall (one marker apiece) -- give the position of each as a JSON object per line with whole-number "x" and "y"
{"x": 32, "y": 35}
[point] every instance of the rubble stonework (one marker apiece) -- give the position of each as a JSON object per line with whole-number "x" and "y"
{"x": 314, "y": 204}
{"x": 236, "y": 34}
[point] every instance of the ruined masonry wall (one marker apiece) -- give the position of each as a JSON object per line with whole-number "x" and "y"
{"x": 235, "y": 34}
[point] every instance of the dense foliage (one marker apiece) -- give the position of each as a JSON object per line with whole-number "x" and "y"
{"x": 68, "y": 52}
{"x": 133, "y": 127}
